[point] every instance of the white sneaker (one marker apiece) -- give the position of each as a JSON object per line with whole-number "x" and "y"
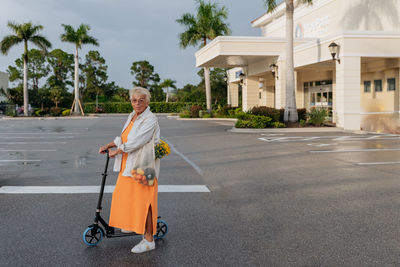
{"x": 144, "y": 246}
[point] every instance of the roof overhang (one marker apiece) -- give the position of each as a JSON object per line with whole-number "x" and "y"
{"x": 233, "y": 51}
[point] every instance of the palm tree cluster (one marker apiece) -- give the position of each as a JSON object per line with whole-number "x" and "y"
{"x": 206, "y": 24}
{"x": 29, "y": 33}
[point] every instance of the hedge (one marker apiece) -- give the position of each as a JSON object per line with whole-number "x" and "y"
{"x": 126, "y": 107}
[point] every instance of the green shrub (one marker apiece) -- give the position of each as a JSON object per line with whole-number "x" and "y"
{"x": 261, "y": 121}
{"x": 224, "y": 111}
{"x": 244, "y": 124}
{"x": 41, "y": 112}
{"x": 55, "y": 111}
{"x": 317, "y": 116}
{"x": 277, "y": 124}
{"x": 66, "y": 112}
{"x": 302, "y": 123}
{"x": 126, "y": 107}
{"x": 194, "y": 111}
{"x": 206, "y": 115}
{"x": 302, "y": 112}
{"x": 274, "y": 114}
{"x": 232, "y": 112}
{"x": 253, "y": 121}
{"x": 184, "y": 114}
{"x": 243, "y": 115}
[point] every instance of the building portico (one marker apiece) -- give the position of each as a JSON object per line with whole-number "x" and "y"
{"x": 361, "y": 85}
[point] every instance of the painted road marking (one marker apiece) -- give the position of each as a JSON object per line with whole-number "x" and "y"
{"x": 271, "y": 134}
{"x": 28, "y": 150}
{"x": 25, "y": 143}
{"x": 355, "y": 150}
{"x": 191, "y": 163}
{"x": 40, "y": 133}
{"x": 20, "y": 160}
{"x": 378, "y": 163}
{"x": 36, "y": 137}
{"x": 333, "y": 138}
{"x": 95, "y": 189}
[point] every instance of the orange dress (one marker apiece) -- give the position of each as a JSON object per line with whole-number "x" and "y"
{"x": 131, "y": 200}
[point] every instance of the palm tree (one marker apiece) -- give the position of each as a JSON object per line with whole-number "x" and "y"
{"x": 78, "y": 37}
{"x": 207, "y": 24}
{"x": 168, "y": 83}
{"x": 26, "y": 32}
{"x": 290, "y": 107}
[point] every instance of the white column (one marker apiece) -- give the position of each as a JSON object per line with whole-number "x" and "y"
{"x": 348, "y": 79}
{"x": 280, "y": 92}
{"x": 233, "y": 94}
{"x": 250, "y": 93}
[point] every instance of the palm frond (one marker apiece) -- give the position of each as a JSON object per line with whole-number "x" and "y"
{"x": 90, "y": 40}
{"x": 69, "y": 34}
{"x": 41, "y": 42}
{"x": 8, "y": 42}
{"x": 15, "y": 27}
{"x": 270, "y": 4}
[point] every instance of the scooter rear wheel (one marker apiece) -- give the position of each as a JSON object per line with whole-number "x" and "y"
{"x": 162, "y": 229}
{"x": 92, "y": 236}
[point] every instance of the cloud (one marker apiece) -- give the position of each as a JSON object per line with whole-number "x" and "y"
{"x": 127, "y": 31}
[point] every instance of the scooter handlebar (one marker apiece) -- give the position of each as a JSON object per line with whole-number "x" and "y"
{"x": 107, "y": 152}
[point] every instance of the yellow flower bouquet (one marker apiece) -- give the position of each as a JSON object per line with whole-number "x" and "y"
{"x": 161, "y": 149}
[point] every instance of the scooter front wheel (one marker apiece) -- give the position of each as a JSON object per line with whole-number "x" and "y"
{"x": 162, "y": 229}
{"x": 93, "y": 235}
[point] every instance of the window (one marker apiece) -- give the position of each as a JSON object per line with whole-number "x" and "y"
{"x": 391, "y": 84}
{"x": 378, "y": 85}
{"x": 259, "y": 95}
{"x": 367, "y": 86}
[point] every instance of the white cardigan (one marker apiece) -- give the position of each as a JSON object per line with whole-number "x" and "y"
{"x": 145, "y": 126}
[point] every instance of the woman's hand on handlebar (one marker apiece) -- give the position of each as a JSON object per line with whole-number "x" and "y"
{"x": 103, "y": 149}
{"x": 113, "y": 153}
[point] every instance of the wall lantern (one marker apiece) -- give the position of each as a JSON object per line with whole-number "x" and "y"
{"x": 274, "y": 69}
{"x": 334, "y": 50}
{"x": 241, "y": 77}
{"x": 225, "y": 78}
{"x": 260, "y": 83}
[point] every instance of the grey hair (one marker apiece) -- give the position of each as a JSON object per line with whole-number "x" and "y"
{"x": 140, "y": 91}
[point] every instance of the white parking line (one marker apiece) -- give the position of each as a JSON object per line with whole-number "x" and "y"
{"x": 26, "y": 143}
{"x": 378, "y": 163}
{"x": 355, "y": 150}
{"x": 197, "y": 168}
{"x": 95, "y": 189}
{"x": 20, "y": 160}
{"x": 28, "y": 150}
{"x": 38, "y": 133}
{"x": 36, "y": 137}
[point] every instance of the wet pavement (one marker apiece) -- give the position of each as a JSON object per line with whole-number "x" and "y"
{"x": 287, "y": 199}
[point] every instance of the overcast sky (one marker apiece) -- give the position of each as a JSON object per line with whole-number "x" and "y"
{"x": 127, "y": 31}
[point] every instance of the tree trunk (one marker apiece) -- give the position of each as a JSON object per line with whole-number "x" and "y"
{"x": 290, "y": 107}
{"x": 166, "y": 99}
{"x": 208, "y": 88}
{"x": 76, "y": 108}
{"x": 26, "y": 100}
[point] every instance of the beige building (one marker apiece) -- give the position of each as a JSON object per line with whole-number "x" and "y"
{"x": 362, "y": 85}
{"x": 3, "y": 83}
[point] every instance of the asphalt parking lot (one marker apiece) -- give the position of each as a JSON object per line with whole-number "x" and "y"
{"x": 275, "y": 199}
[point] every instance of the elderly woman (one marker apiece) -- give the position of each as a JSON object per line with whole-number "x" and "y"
{"x": 134, "y": 205}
